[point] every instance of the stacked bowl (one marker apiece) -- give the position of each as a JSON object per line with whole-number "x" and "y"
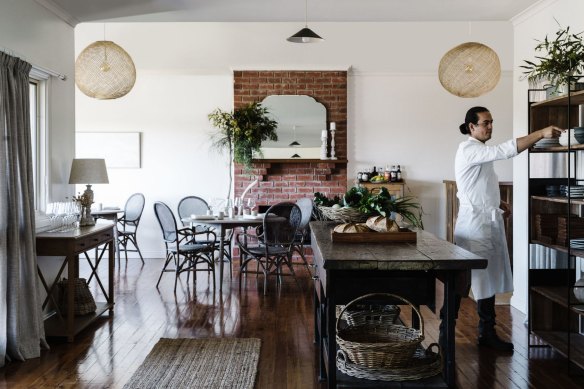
{"x": 574, "y": 136}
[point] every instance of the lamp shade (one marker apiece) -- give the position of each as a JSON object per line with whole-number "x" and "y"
{"x": 103, "y": 70}
{"x": 306, "y": 35}
{"x": 469, "y": 70}
{"x": 88, "y": 171}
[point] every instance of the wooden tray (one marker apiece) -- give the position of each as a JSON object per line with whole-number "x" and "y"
{"x": 404, "y": 235}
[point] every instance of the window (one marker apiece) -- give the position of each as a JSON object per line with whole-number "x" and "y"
{"x": 38, "y": 138}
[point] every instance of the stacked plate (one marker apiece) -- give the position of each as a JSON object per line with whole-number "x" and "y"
{"x": 572, "y": 191}
{"x": 546, "y": 142}
{"x": 577, "y": 243}
{"x": 552, "y": 190}
{"x": 575, "y": 136}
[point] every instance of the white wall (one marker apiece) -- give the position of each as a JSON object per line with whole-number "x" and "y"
{"x": 398, "y": 113}
{"x": 29, "y": 31}
{"x": 533, "y": 24}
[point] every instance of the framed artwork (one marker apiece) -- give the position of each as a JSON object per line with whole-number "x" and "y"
{"x": 119, "y": 149}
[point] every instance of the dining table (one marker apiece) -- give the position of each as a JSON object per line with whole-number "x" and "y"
{"x": 345, "y": 271}
{"x": 221, "y": 225}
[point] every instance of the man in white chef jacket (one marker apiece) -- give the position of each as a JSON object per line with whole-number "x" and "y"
{"x": 479, "y": 226}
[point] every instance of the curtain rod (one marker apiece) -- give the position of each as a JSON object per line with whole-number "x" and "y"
{"x": 50, "y": 72}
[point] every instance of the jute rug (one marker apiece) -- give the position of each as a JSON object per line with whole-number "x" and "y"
{"x": 226, "y": 363}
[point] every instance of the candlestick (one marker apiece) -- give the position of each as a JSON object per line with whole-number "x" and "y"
{"x": 333, "y": 126}
{"x": 333, "y": 142}
{"x": 323, "y": 137}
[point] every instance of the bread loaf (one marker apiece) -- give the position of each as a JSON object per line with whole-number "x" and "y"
{"x": 382, "y": 224}
{"x": 351, "y": 228}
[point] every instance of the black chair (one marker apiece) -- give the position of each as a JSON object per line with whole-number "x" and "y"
{"x": 193, "y": 205}
{"x": 186, "y": 256}
{"x": 306, "y": 206}
{"x": 128, "y": 224}
{"x": 273, "y": 248}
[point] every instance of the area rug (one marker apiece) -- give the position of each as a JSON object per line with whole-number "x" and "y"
{"x": 226, "y": 363}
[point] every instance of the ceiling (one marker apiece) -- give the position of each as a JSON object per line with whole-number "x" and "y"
{"x": 77, "y": 11}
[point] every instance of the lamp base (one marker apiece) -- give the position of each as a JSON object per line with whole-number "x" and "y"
{"x": 86, "y": 218}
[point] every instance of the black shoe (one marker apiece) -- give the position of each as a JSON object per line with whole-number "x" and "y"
{"x": 493, "y": 341}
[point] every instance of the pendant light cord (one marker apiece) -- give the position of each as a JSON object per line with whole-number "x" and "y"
{"x": 306, "y": 13}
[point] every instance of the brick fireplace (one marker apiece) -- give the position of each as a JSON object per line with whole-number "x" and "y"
{"x": 289, "y": 180}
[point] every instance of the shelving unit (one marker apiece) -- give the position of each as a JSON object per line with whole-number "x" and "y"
{"x": 556, "y": 317}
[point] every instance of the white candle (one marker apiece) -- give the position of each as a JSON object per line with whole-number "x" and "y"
{"x": 324, "y": 134}
{"x": 333, "y": 126}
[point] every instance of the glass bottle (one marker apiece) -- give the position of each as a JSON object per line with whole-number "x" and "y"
{"x": 393, "y": 174}
{"x": 399, "y": 173}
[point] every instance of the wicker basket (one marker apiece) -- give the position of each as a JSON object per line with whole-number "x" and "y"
{"x": 369, "y": 314}
{"x": 424, "y": 363}
{"x": 379, "y": 344}
{"x": 344, "y": 215}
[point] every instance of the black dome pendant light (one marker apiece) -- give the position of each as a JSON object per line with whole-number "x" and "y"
{"x": 306, "y": 35}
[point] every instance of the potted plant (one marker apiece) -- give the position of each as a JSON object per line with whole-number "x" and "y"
{"x": 242, "y": 132}
{"x": 560, "y": 58}
{"x": 358, "y": 204}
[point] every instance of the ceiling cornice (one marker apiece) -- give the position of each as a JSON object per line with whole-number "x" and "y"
{"x": 530, "y": 11}
{"x": 59, "y": 12}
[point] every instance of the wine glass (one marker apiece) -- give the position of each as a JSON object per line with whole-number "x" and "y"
{"x": 251, "y": 203}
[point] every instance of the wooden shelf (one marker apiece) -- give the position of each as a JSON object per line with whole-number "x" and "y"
{"x": 576, "y": 98}
{"x": 563, "y": 200}
{"x": 572, "y": 347}
{"x": 560, "y": 295}
{"x": 556, "y": 149}
{"x": 299, "y": 160}
{"x": 56, "y": 327}
{"x": 563, "y": 249}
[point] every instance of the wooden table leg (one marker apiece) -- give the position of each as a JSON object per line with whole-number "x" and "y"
{"x": 71, "y": 274}
{"x": 221, "y": 240}
{"x": 449, "y": 298}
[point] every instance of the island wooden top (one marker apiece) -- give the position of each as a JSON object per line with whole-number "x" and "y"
{"x": 428, "y": 253}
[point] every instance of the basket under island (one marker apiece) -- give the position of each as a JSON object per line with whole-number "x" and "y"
{"x": 345, "y": 271}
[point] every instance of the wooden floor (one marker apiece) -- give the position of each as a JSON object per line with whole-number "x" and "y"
{"x": 107, "y": 354}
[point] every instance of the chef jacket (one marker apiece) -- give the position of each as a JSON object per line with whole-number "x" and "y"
{"x": 479, "y": 226}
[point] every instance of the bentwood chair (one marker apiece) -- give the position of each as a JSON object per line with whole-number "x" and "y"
{"x": 193, "y": 205}
{"x": 306, "y": 206}
{"x": 184, "y": 255}
{"x": 128, "y": 225}
{"x": 273, "y": 249}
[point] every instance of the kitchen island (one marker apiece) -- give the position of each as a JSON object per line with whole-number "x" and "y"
{"x": 345, "y": 271}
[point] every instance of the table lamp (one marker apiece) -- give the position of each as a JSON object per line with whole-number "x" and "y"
{"x": 88, "y": 172}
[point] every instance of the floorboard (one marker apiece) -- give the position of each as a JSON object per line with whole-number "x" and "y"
{"x": 107, "y": 353}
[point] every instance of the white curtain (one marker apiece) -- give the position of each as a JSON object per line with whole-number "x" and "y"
{"x": 21, "y": 319}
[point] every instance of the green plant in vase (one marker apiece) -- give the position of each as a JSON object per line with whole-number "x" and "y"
{"x": 560, "y": 58}
{"x": 242, "y": 132}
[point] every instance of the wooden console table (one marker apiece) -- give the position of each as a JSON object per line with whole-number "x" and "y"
{"x": 70, "y": 244}
{"x": 344, "y": 271}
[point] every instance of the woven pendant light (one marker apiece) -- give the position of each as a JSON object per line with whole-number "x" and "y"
{"x": 469, "y": 70}
{"x": 104, "y": 71}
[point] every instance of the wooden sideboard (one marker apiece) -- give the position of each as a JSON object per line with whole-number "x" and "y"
{"x": 394, "y": 188}
{"x": 506, "y": 189}
{"x": 70, "y": 244}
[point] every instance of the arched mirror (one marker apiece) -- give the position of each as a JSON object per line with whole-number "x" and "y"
{"x": 301, "y": 120}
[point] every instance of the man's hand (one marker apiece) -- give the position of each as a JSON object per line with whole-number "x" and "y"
{"x": 506, "y": 209}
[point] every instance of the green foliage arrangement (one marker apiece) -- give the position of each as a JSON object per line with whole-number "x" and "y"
{"x": 381, "y": 203}
{"x": 242, "y": 132}
{"x": 561, "y": 57}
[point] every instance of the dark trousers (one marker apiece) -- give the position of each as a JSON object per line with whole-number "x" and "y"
{"x": 486, "y": 311}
